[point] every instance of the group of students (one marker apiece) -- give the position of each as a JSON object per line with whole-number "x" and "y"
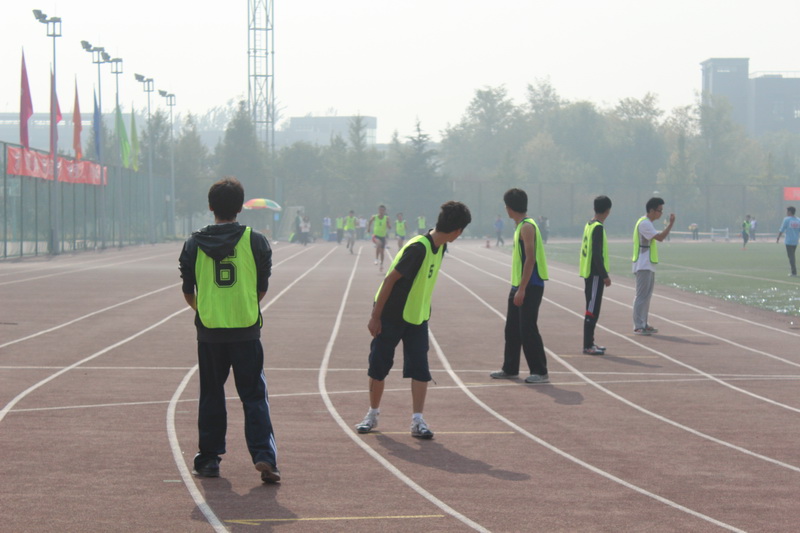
{"x": 226, "y": 267}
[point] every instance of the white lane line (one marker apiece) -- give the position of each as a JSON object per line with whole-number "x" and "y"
{"x": 652, "y": 350}
{"x": 629, "y": 403}
{"x": 177, "y": 453}
{"x": 323, "y": 370}
{"x": 88, "y": 315}
{"x": 66, "y": 369}
{"x": 567, "y": 456}
{"x": 43, "y": 276}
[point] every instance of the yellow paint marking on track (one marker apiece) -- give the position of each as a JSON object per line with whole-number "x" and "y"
{"x": 258, "y": 521}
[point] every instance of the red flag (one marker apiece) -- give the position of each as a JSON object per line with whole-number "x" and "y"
{"x": 25, "y": 106}
{"x": 77, "y": 127}
{"x": 54, "y": 103}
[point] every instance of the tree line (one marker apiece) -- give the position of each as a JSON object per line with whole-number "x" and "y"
{"x": 563, "y": 152}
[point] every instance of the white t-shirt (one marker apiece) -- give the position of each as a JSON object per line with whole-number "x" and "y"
{"x": 646, "y": 233}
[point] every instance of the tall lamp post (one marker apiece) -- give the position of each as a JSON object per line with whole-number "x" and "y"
{"x": 116, "y": 70}
{"x": 99, "y": 56}
{"x": 54, "y": 31}
{"x": 149, "y": 86}
{"x": 171, "y": 221}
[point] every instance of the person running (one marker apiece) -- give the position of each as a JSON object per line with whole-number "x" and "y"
{"x": 401, "y": 311}
{"x": 645, "y": 259}
{"x": 382, "y": 227}
{"x": 594, "y": 270}
{"x": 790, "y": 226}
{"x": 528, "y": 274}
{"x": 350, "y": 230}
{"x": 400, "y": 230}
{"x": 422, "y": 225}
{"x": 225, "y": 269}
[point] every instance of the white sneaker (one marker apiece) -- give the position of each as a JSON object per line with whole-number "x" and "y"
{"x": 369, "y": 423}
{"x": 419, "y": 429}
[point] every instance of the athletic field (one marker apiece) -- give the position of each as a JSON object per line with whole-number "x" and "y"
{"x": 693, "y": 429}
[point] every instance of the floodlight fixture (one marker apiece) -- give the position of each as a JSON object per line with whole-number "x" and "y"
{"x": 138, "y": 77}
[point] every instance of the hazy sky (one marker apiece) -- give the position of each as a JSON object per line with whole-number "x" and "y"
{"x": 399, "y": 61}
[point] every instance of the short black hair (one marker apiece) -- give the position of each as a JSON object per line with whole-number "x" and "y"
{"x": 226, "y": 198}
{"x": 517, "y": 200}
{"x": 602, "y": 204}
{"x": 453, "y": 216}
{"x": 653, "y": 203}
{"x": 790, "y": 209}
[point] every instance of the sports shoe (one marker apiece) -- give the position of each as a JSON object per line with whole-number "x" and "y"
{"x": 536, "y": 378}
{"x": 501, "y": 374}
{"x": 651, "y": 329}
{"x": 594, "y": 350}
{"x": 269, "y": 473}
{"x": 419, "y": 429}
{"x": 369, "y": 423}
{"x": 642, "y": 331}
{"x": 209, "y": 468}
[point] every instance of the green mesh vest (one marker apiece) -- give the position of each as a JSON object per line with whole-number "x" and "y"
{"x": 227, "y": 296}
{"x": 516, "y": 256}
{"x": 586, "y": 249}
{"x": 418, "y": 304}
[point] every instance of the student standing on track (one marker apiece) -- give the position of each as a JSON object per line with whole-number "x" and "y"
{"x": 645, "y": 258}
{"x": 745, "y": 231}
{"x": 382, "y": 227}
{"x": 339, "y": 229}
{"x": 401, "y": 312}
{"x": 594, "y": 270}
{"x": 528, "y": 274}
{"x": 350, "y": 230}
{"x": 790, "y": 226}
{"x": 229, "y": 265}
{"x": 400, "y": 230}
{"x": 422, "y": 225}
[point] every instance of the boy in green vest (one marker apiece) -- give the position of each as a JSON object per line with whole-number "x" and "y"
{"x": 382, "y": 227}
{"x": 594, "y": 270}
{"x": 229, "y": 266}
{"x": 645, "y": 259}
{"x": 528, "y": 274}
{"x": 401, "y": 312}
{"x": 400, "y": 230}
{"x": 350, "y": 229}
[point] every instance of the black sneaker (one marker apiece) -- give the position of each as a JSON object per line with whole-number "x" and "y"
{"x": 209, "y": 468}
{"x": 269, "y": 473}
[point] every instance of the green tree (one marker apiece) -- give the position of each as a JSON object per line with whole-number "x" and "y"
{"x": 241, "y": 155}
{"x": 193, "y": 175}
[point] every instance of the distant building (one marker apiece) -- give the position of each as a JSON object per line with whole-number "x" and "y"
{"x": 321, "y": 130}
{"x": 39, "y": 130}
{"x": 763, "y": 103}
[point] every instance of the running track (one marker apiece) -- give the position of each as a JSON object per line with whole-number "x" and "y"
{"x": 694, "y": 429}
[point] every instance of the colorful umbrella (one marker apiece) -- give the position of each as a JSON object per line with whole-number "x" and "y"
{"x": 262, "y": 203}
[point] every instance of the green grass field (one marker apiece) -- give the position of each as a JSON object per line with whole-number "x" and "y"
{"x": 757, "y": 276}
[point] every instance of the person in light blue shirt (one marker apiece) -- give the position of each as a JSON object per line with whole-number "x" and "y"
{"x": 791, "y": 227}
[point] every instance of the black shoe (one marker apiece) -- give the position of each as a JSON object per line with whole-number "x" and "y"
{"x": 210, "y": 468}
{"x": 269, "y": 473}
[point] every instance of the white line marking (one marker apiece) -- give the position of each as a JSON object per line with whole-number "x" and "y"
{"x": 564, "y": 454}
{"x": 323, "y": 369}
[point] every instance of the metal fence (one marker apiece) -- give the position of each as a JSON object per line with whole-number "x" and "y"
{"x": 121, "y": 213}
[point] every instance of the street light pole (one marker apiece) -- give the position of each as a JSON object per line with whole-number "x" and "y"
{"x": 116, "y": 70}
{"x": 99, "y": 56}
{"x": 171, "y": 222}
{"x": 54, "y": 31}
{"x": 149, "y": 86}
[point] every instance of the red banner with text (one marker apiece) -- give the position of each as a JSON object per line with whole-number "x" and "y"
{"x": 25, "y": 162}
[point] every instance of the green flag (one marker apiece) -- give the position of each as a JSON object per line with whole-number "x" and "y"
{"x": 122, "y": 136}
{"x": 134, "y": 142}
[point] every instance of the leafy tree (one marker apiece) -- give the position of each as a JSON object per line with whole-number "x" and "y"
{"x": 193, "y": 175}
{"x": 241, "y": 155}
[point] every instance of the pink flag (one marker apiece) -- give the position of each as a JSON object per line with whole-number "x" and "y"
{"x": 54, "y": 103}
{"x": 77, "y": 127}
{"x": 25, "y": 106}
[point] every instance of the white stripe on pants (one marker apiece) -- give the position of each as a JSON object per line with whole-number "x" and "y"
{"x": 645, "y": 280}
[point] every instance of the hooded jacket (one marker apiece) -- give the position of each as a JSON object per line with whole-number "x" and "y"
{"x": 218, "y": 242}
